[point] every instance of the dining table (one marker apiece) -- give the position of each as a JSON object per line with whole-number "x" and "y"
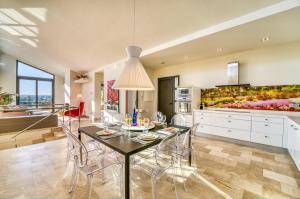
{"x": 127, "y": 145}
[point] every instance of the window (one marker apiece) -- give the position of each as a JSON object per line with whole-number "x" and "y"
{"x": 34, "y": 86}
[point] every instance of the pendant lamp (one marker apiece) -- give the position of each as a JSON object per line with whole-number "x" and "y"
{"x": 133, "y": 75}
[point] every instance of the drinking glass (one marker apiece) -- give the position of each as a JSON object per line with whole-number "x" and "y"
{"x": 146, "y": 125}
{"x": 163, "y": 120}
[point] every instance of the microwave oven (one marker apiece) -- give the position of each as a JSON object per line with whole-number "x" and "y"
{"x": 183, "y": 94}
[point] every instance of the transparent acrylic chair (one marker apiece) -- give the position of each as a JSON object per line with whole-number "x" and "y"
{"x": 90, "y": 143}
{"x": 183, "y": 149}
{"x": 162, "y": 161}
{"x": 178, "y": 120}
{"x": 87, "y": 163}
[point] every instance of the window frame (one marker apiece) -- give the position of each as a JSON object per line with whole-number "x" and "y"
{"x": 36, "y": 82}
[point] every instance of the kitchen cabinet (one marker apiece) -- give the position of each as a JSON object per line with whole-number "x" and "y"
{"x": 267, "y": 139}
{"x": 183, "y": 120}
{"x": 267, "y": 127}
{"x": 262, "y": 128}
{"x": 293, "y": 142}
{"x": 233, "y": 126}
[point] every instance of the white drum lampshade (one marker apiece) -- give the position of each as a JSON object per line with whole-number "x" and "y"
{"x": 133, "y": 75}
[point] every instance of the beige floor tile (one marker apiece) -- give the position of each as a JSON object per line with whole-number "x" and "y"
{"x": 233, "y": 170}
{"x": 280, "y": 177}
{"x": 290, "y": 190}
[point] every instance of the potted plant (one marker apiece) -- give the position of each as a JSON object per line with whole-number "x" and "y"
{"x": 5, "y": 98}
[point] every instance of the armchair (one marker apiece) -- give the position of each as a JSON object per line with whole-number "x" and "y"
{"x": 75, "y": 112}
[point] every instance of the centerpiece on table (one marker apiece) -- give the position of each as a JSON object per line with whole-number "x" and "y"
{"x": 137, "y": 122}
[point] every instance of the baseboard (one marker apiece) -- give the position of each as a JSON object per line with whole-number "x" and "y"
{"x": 244, "y": 143}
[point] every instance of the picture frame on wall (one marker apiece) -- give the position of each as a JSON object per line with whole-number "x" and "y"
{"x": 112, "y": 103}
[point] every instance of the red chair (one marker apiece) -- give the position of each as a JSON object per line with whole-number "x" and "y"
{"x": 76, "y": 111}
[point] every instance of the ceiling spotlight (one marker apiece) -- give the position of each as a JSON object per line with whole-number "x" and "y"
{"x": 265, "y": 39}
{"x": 219, "y": 50}
{"x": 186, "y": 57}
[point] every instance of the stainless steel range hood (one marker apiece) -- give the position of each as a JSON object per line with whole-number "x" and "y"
{"x": 233, "y": 75}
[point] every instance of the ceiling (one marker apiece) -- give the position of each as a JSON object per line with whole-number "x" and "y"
{"x": 85, "y": 35}
{"x": 279, "y": 29}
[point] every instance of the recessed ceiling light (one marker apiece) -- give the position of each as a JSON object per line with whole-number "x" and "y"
{"x": 265, "y": 39}
{"x": 186, "y": 57}
{"x": 219, "y": 50}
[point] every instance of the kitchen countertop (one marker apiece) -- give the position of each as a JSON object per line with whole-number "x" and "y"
{"x": 252, "y": 112}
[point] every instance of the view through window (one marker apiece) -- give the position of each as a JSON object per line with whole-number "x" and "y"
{"x": 34, "y": 86}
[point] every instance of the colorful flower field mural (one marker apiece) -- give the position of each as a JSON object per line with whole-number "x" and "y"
{"x": 112, "y": 96}
{"x": 277, "y": 98}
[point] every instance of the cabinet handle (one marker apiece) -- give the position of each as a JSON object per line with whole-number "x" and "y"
{"x": 266, "y": 119}
{"x": 266, "y": 136}
{"x": 266, "y": 125}
{"x": 229, "y": 121}
{"x": 296, "y": 129}
{"x": 229, "y": 116}
{"x": 292, "y": 125}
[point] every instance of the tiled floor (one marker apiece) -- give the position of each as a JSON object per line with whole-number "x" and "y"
{"x": 229, "y": 170}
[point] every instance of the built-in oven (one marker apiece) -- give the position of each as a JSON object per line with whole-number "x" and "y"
{"x": 183, "y": 97}
{"x": 183, "y": 107}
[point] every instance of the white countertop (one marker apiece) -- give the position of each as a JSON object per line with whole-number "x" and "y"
{"x": 252, "y": 112}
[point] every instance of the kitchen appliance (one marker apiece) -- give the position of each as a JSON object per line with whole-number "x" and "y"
{"x": 233, "y": 70}
{"x": 183, "y": 107}
{"x": 186, "y": 99}
{"x": 183, "y": 94}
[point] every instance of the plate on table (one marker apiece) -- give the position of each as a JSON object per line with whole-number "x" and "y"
{"x": 157, "y": 123}
{"x": 171, "y": 129}
{"x": 105, "y": 132}
{"x": 148, "y": 137}
{"x": 138, "y": 128}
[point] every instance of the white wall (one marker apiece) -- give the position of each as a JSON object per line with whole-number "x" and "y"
{"x": 268, "y": 66}
{"x": 8, "y": 78}
{"x": 91, "y": 95}
{"x": 276, "y": 65}
{"x": 8, "y": 73}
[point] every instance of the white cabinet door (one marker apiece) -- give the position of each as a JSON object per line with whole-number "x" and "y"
{"x": 184, "y": 120}
{"x": 268, "y": 139}
{"x": 296, "y": 146}
{"x": 238, "y": 124}
{"x": 267, "y": 127}
{"x": 213, "y": 130}
{"x": 267, "y": 119}
{"x": 208, "y": 120}
{"x": 291, "y": 138}
{"x": 238, "y": 116}
{"x": 238, "y": 134}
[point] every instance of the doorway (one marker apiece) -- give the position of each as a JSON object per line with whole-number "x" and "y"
{"x": 166, "y": 95}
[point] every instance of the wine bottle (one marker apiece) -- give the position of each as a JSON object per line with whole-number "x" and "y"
{"x": 134, "y": 118}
